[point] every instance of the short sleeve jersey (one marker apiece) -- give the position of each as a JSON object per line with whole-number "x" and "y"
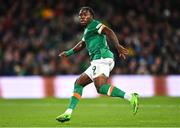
{"x": 96, "y": 42}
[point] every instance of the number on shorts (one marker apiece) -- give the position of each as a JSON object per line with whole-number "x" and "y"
{"x": 94, "y": 68}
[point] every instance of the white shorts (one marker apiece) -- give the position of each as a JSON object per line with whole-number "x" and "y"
{"x": 100, "y": 66}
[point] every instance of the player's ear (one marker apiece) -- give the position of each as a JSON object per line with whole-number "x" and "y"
{"x": 92, "y": 16}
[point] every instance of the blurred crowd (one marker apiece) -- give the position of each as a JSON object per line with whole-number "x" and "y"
{"x": 34, "y": 32}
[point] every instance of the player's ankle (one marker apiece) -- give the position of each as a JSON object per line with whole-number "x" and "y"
{"x": 69, "y": 111}
{"x": 127, "y": 96}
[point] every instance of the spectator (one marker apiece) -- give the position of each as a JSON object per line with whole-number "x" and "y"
{"x": 33, "y": 33}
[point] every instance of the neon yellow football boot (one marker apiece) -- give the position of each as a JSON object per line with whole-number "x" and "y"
{"x": 63, "y": 117}
{"x": 134, "y": 102}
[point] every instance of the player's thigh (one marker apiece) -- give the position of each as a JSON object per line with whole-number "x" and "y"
{"x": 83, "y": 80}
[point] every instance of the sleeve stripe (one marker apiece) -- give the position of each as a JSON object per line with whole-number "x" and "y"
{"x": 99, "y": 25}
{"x": 83, "y": 39}
{"x": 101, "y": 28}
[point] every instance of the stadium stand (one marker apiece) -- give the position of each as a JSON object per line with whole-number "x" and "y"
{"x": 34, "y": 32}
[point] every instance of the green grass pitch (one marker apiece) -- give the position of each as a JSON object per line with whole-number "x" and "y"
{"x": 100, "y": 112}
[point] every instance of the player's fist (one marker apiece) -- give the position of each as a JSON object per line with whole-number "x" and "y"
{"x": 63, "y": 54}
{"x": 122, "y": 52}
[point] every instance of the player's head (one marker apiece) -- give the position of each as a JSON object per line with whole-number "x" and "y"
{"x": 86, "y": 14}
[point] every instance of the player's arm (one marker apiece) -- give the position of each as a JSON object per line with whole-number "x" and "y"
{"x": 112, "y": 36}
{"x": 78, "y": 47}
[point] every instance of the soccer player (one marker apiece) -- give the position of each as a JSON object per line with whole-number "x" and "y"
{"x": 102, "y": 62}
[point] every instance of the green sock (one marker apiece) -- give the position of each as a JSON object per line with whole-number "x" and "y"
{"x": 110, "y": 90}
{"x": 76, "y": 96}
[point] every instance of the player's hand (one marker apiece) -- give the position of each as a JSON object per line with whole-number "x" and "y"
{"x": 63, "y": 54}
{"x": 122, "y": 52}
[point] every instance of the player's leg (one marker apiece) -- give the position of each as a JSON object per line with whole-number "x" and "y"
{"x": 80, "y": 83}
{"x": 109, "y": 90}
{"x": 100, "y": 75}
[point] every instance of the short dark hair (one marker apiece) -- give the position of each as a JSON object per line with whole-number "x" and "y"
{"x": 89, "y": 9}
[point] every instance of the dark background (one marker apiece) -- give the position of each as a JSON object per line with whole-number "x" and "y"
{"x": 34, "y": 32}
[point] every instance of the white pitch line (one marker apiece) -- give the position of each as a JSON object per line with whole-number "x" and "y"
{"x": 100, "y": 127}
{"x": 92, "y": 105}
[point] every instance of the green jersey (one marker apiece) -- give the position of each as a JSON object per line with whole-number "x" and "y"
{"x": 96, "y": 42}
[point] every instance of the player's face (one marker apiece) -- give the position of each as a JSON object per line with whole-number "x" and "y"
{"x": 84, "y": 17}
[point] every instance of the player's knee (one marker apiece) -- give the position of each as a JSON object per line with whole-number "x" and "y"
{"x": 77, "y": 81}
{"x": 97, "y": 88}
{"x": 98, "y": 85}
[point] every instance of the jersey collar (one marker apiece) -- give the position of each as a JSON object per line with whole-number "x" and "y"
{"x": 90, "y": 22}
